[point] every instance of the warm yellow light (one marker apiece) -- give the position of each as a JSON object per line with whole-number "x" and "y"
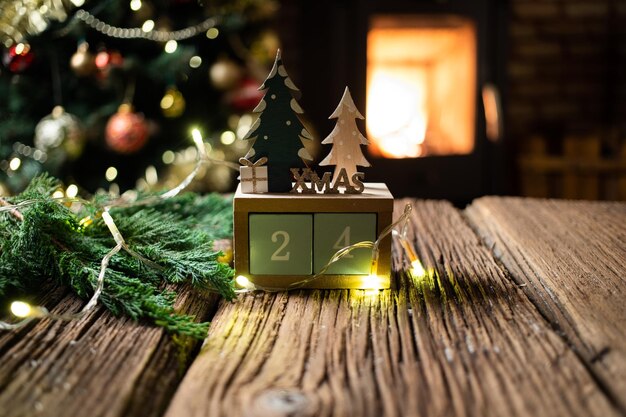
{"x": 20, "y": 48}
{"x": 228, "y": 137}
{"x": 135, "y": 5}
{"x": 148, "y": 25}
{"x": 170, "y": 46}
{"x": 196, "y": 135}
{"x": 78, "y": 3}
{"x": 86, "y": 221}
{"x": 195, "y": 61}
{"x": 72, "y": 191}
{"x": 111, "y": 174}
{"x": 21, "y": 309}
{"x": 417, "y": 270}
{"x": 168, "y": 157}
{"x": 167, "y": 101}
{"x": 15, "y": 164}
{"x": 242, "y": 281}
{"x": 371, "y": 282}
{"x": 152, "y": 176}
{"x": 212, "y": 33}
{"x": 400, "y": 128}
{"x": 58, "y": 194}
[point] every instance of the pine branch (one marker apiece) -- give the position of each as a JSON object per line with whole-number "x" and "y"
{"x": 49, "y": 242}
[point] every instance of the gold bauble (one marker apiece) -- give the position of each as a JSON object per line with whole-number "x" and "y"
{"x": 83, "y": 62}
{"x": 172, "y": 103}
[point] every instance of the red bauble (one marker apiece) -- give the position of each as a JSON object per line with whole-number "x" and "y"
{"x": 106, "y": 59}
{"x": 246, "y": 96}
{"x": 18, "y": 58}
{"x": 126, "y": 131}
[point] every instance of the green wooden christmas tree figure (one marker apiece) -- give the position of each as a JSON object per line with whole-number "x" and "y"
{"x": 346, "y": 140}
{"x": 278, "y": 131}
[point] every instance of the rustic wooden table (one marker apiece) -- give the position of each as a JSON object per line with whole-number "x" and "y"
{"x": 522, "y": 312}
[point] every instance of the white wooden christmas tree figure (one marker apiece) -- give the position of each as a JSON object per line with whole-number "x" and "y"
{"x": 346, "y": 139}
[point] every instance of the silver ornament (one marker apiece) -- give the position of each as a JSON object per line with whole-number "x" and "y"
{"x": 60, "y": 129}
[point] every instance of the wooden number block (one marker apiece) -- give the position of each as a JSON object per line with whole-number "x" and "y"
{"x": 283, "y": 240}
{"x": 281, "y": 244}
{"x": 333, "y": 231}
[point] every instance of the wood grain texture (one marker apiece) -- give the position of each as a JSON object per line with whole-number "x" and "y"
{"x": 100, "y": 365}
{"x": 461, "y": 340}
{"x": 570, "y": 258}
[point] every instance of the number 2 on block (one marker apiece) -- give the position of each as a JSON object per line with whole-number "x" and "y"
{"x": 344, "y": 241}
{"x": 277, "y": 256}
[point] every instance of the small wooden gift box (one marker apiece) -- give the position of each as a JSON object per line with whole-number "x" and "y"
{"x": 253, "y": 176}
{"x": 281, "y": 240}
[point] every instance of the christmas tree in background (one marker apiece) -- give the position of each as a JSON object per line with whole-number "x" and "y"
{"x": 278, "y": 131}
{"x": 346, "y": 139}
{"x": 105, "y": 93}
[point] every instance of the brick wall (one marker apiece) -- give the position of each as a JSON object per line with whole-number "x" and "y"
{"x": 566, "y": 68}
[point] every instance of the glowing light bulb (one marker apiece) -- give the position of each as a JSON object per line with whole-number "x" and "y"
{"x": 244, "y": 282}
{"x": 170, "y": 46}
{"x": 371, "y": 282}
{"x": 417, "y": 270}
{"x": 135, "y": 5}
{"x": 167, "y": 101}
{"x": 152, "y": 176}
{"x": 148, "y": 25}
{"x": 195, "y": 61}
{"x": 228, "y": 137}
{"x": 15, "y": 164}
{"x": 168, "y": 157}
{"x": 86, "y": 221}
{"x": 72, "y": 191}
{"x": 21, "y": 309}
{"x": 110, "y": 174}
{"x": 212, "y": 33}
{"x": 20, "y": 48}
{"x": 196, "y": 135}
{"x": 58, "y": 194}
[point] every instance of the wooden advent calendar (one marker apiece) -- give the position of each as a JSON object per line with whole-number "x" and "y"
{"x": 289, "y": 222}
{"x": 281, "y": 239}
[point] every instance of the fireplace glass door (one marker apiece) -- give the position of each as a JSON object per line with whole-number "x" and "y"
{"x": 421, "y": 85}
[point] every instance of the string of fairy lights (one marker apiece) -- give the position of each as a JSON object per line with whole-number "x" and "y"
{"x": 26, "y": 312}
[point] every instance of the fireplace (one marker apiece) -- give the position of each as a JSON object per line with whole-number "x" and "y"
{"x": 428, "y": 74}
{"x": 419, "y": 102}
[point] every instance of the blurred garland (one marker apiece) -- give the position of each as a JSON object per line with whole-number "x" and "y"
{"x": 22, "y": 18}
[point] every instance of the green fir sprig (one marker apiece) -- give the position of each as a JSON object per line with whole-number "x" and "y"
{"x": 46, "y": 241}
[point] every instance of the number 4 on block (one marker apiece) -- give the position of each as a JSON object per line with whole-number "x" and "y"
{"x": 334, "y": 231}
{"x": 281, "y": 244}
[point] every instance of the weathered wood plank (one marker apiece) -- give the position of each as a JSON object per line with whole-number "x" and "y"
{"x": 98, "y": 366}
{"x": 460, "y": 340}
{"x": 570, "y": 256}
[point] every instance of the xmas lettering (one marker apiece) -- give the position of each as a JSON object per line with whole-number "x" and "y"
{"x": 307, "y": 181}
